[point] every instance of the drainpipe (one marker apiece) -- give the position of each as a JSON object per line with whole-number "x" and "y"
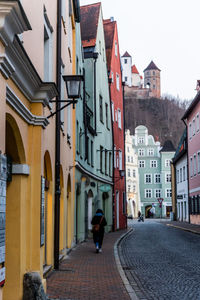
{"x": 57, "y": 139}
{"x": 123, "y": 86}
{"x": 189, "y": 201}
{"x": 95, "y": 56}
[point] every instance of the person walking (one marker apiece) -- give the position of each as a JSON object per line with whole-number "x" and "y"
{"x": 98, "y": 222}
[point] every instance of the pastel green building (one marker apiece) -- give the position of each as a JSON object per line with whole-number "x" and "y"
{"x": 154, "y": 173}
{"x": 93, "y": 161}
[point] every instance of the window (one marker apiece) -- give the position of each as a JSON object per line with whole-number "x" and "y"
{"x": 128, "y": 158}
{"x": 101, "y": 108}
{"x": 106, "y": 166}
{"x": 129, "y": 188}
{"x": 119, "y": 119}
{"x": 153, "y": 164}
{"x": 48, "y": 49}
{"x": 129, "y": 172}
{"x": 148, "y": 193}
{"x": 190, "y": 131}
{"x": 148, "y": 178}
{"x": 88, "y": 148}
{"x": 92, "y": 154}
{"x": 77, "y": 137}
{"x": 195, "y": 165}
{"x": 110, "y": 164}
{"x": 157, "y": 193}
{"x": 132, "y": 159}
{"x": 141, "y": 163}
{"x": 128, "y": 149}
{"x": 116, "y": 48}
{"x": 116, "y": 116}
{"x": 197, "y": 122}
{"x": 153, "y": 72}
{"x": 181, "y": 174}
{"x": 106, "y": 108}
{"x": 141, "y": 140}
{"x": 168, "y": 193}
{"x": 198, "y": 161}
{"x": 134, "y": 188}
{"x": 151, "y": 152}
{"x": 113, "y": 109}
{"x": 120, "y": 160}
{"x": 141, "y": 152}
{"x": 177, "y": 176}
{"x": 167, "y": 162}
{"x": 117, "y": 81}
{"x": 184, "y": 177}
{"x": 134, "y": 173}
{"x": 126, "y": 78}
{"x": 112, "y": 77}
{"x": 101, "y": 159}
{"x": 193, "y": 126}
{"x": 168, "y": 177}
{"x": 191, "y": 167}
{"x": 115, "y": 157}
{"x": 157, "y": 178}
{"x": 125, "y": 60}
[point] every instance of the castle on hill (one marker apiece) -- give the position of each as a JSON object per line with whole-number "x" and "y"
{"x": 149, "y": 88}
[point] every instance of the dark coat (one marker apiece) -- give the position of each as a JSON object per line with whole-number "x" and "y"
{"x": 96, "y": 220}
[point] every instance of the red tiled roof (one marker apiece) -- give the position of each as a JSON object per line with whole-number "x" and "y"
{"x": 152, "y": 66}
{"x": 109, "y": 31}
{"x": 89, "y": 22}
{"x": 134, "y": 69}
{"x": 126, "y": 54}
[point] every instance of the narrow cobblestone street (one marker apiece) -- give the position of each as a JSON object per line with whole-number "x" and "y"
{"x": 161, "y": 262}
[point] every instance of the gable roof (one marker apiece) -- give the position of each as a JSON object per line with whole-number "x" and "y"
{"x": 168, "y": 147}
{"x": 126, "y": 54}
{"x": 192, "y": 106}
{"x": 134, "y": 69}
{"x": 152, "y": 66}
{"x": 109, "y": 31}
{"x": 89, "y": 22}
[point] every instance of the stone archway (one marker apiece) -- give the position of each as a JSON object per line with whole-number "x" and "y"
{"x": 48, "y": 236}
{"x": 16, "y": 211}
{"x": 147, "y": 211}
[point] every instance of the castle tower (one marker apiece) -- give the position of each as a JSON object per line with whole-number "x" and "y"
{"x": 152, "y": 79}
{"x": 126, "y": 61}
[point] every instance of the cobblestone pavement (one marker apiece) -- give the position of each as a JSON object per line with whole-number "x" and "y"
{"x": 162, "y": 262}
{"x": 87, "y": 275}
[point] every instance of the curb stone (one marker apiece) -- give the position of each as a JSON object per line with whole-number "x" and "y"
{"x": 185, "y": 229}
{"x": 127, "y": 285}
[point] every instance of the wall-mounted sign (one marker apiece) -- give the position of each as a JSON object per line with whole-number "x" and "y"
{"x": 42, "y": 207}
{"x": 105, "y": 188}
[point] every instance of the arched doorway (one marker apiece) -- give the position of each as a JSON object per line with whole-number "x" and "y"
{"x": 90, "y": 211}
{"x": 16, "y": 212}
{"x": 48, "y": 217}
{"x": 69, "y": 213}
{"x": 147, "y": 211}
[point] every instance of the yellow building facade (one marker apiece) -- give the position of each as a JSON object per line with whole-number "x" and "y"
{"x": 28, "y": 84}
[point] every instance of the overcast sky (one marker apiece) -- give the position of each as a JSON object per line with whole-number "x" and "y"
{"x": 165, "y": 31}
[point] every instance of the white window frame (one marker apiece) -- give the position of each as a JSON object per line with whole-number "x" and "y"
{"x": 148, "y": 178}
{"x": 195, "y": 164}
{"x": 193, "y": 127}
{"x": 157, "y": 174}
{"x": 134, "y": 173}
{"x": 190, "y": 131}
{"x": 153, "y": 163}
{"x": 116, "y": 48}
{"x": 113, "y": 109}
{"x": 119, "y": 119}
{"x": 120, "y": 160}
{"x": 181, "y": 174}
{"x": 167, "y": 163}
{"x": 177, "y": 176}
{"x": 168, "y": 177}
{"x": 197, "y": 122}
{"x": 140, "y": 140}
{"x": 141, "y": 152}
{"x": 168, "y": 193}
{"x": 191, "y": 167}
{"x": 184, "y": 173}
{"x": 151, "y": 152}
{"x": 148, "y": 193}
{"x": 141, "y": 163}
{"x": 117, "y": 82}
{"x": 157, "y": 193}
{"x": 129, "y": 173}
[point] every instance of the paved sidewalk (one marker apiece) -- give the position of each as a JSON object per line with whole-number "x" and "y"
{"x": 185, "y": 226}
{"x": 85, "y": 274}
